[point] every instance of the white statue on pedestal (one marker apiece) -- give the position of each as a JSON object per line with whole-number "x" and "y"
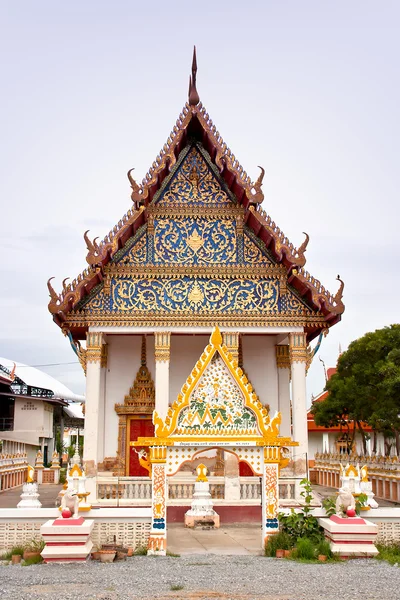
{"x": 202, "y": 505}
{"x": 30, "y": 492}
{"x": 70, "y": 500}
{"x": 366, "y": 488}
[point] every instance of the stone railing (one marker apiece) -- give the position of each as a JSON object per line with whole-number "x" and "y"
{"x": 128, "y": 491}
{"x": 13, "y": 470}
{"x": 383, "y": 472}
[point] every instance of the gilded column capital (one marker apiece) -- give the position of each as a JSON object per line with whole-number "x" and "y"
{"x": 282, "y": 356}
{"x": 231, "y": 341}
{"x": 94, "y": 347}
{"x": 298, "y": 347}
{"x": 162, "y": 340}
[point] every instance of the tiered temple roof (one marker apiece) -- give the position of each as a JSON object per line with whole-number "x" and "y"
{"x": 194, "y": 123}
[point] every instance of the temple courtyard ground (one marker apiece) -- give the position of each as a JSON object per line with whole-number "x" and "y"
{"x": 203, "y": 577}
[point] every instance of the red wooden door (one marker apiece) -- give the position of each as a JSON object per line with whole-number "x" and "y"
{"x": 138, "y": 428}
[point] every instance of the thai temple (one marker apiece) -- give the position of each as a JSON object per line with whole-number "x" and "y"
{"x": 193, "y": 321}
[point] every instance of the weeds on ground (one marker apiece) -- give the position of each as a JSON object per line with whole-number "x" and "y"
{"x": 390, "y": 553}
{"x": 140, "y": 551}
{"x": 172, "y": 554}
{"x": 176, "y": 586}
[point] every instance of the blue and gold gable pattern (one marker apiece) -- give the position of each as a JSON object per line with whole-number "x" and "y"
{"x": 195, "y": 261}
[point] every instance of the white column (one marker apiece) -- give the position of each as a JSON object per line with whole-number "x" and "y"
{"x": 162, "y": 356}
{"x": 298, "y": 358}
{"x": 283, "y": 365}
{"x": 94, "y": 343}
{"x": 325, "y": 442}
{"x": 102, "y": 403}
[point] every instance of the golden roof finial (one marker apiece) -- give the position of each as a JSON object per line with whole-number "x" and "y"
{"x": 193, "y": 95}
{"x": 143, "y": 352}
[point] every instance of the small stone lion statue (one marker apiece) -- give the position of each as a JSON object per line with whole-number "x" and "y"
{"x": 344, "y": 501}
{"x": 70, "y": 500}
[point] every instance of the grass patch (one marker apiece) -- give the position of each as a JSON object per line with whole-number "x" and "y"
{"x": 176, "y": 586}
{"x": 35, "y": 560}
{"x": 390, "y": 553}
{"x": 140, "y": 551}
{"x": 305, "y": 549}
{"x": 168, "y": 553}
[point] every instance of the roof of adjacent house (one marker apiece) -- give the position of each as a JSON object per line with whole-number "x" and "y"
{"x": 33, "y": 377}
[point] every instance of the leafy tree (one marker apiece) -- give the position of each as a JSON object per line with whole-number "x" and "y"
{"x": 365, "y": 388}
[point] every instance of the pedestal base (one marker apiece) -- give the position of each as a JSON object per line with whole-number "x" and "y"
{"x": 193, "y": 521}
{"x": 353, "y": 536}
{"x": 67, "y": 540}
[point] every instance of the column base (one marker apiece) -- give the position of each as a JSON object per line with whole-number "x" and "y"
{"x": 157, "y": 544}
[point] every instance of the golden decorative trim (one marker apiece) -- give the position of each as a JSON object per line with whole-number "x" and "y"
{"x": 231, "y": 341}
{"x": 298, "y": 347}
{"x": 222, "y": 271}
{"x": 104, "y": 356}
{"x": 282, "y": 356}
{"x": 211, "y": 212}
{"x": 162, "y": 340}
{"x": 189, "y": 319}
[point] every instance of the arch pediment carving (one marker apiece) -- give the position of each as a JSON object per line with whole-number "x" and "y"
{"x": 216, "y": 404}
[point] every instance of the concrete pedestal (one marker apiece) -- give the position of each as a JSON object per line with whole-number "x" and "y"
{"x": 67, "y": 540}
{"x": 29, "y": 496}
{"x": 202, "y": 512}
{"x": 353, "y": 536}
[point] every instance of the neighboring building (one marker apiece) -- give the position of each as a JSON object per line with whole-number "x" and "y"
{"x": 334, "y": 439}
{"x": 196, "y": 250}
{"x": 32, "y": 406}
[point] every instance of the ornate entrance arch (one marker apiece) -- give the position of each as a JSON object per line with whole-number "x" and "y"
{"x": 216, "y": 408}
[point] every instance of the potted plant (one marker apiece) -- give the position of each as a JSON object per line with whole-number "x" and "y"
{"x": 16, "y": 555}
{"x": 107, "y": 556}
{"x": 33, "y": 549}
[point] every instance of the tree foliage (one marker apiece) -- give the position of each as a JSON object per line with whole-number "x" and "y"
{"x": 365, "y": 387}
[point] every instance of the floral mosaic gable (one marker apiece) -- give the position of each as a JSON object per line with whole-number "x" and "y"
{"x": 216, "y": 404}
{"x": 194, "y": 255}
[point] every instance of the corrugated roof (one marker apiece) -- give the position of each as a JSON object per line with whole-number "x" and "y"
{"x": 35, "y": 378}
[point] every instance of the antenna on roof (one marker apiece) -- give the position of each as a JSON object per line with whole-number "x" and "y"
{"x": 193, "y": 95}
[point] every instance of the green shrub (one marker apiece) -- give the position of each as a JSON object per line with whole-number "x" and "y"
{"x": 140, "y": 551}
{"x": 278, "y": 541}
{"x": 329, "y": 505}
{"x": 305, "y": 549}
{"x": 35, "y": 560}
{"x": 323, "y": 547}
{"x": 19, "y": 550}
{"x": 302, "y": 524}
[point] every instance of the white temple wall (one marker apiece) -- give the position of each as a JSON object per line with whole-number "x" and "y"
{"x": 124, "y": 355}
{"x": 185, "y": 352}
{"x": 259, "y": 361}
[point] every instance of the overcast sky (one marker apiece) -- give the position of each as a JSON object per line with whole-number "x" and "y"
{"x": 309, "y": 90}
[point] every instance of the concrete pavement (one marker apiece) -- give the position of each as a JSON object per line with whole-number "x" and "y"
{"x": 48, "y": 494}
{"x": 228, "y": 540}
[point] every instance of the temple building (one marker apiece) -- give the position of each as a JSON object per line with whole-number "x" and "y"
{"x": 194, "y": 253}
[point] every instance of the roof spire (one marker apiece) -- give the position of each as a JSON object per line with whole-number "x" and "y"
{"x": 143, "y": 351}
{"x": 193, "y": 95}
